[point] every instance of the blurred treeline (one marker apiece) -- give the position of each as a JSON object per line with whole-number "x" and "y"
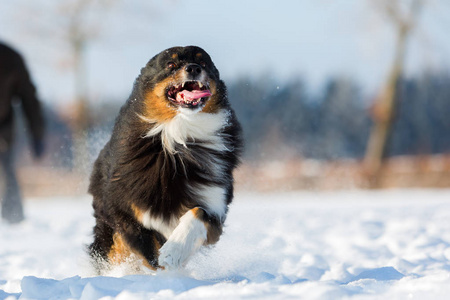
{"x": 334, "y": 123}
{"x": 286, "y": 128}
{"x": 289, "y": 121}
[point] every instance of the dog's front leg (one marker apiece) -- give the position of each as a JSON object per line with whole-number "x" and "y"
{"x": 196, "y": 228}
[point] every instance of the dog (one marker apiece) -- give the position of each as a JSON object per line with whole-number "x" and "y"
{"x": 162, "y": 184}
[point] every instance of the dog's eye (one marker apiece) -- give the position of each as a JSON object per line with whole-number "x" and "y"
{"x": 171, "y": 65}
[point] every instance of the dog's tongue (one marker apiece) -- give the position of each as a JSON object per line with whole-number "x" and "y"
{"x": 185, "y": 95}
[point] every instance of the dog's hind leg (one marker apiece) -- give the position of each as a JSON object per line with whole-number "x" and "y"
{"x": 116, "y": 246}
{"x": 99, "y": 249}
{"x": 142, "y": 242}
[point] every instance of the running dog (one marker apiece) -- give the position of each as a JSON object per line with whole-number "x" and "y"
{"x": 162, "y": 184}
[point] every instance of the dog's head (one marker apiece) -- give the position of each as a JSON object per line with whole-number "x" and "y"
{"x": 181, "y": 79}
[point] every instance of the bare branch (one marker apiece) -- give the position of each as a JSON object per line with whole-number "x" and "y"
{"x": 401, "y": 16}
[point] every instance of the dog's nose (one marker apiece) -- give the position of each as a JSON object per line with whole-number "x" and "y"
{"x": 193, "y": 69}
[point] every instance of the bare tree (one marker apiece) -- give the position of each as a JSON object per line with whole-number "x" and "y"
{"x": 403, "y": 15}
{"x": 79, "y": 32}
{"x": 65, "y": 29}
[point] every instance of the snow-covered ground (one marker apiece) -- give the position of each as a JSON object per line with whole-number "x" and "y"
{"x": 302, "y": 245}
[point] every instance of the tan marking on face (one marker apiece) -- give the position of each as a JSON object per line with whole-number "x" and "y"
{"x": 157, "y": 106}
{"x": 212, "y": 105}
{"x": 199, "y": 55}
{"x": 174, "y": 56}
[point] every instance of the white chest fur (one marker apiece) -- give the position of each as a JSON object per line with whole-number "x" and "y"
{"x": 192, "y": 125}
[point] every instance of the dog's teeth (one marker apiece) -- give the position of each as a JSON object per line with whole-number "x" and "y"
{"x": 182, "y": 85}
{"x": 200, "y": 84}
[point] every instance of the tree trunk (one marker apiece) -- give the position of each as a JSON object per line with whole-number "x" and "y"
{"x": 384, "y": 112}
{"x": 81, "y": 122}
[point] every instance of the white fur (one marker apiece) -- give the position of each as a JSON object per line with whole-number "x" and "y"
{"x": 213, "y": 200}
{"x": 158, "y": 224}
{"x": 185, "y": 240}
{"x": 188, "y": 124}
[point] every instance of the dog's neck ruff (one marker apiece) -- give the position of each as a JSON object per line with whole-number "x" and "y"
{"x": 191, "y": 126}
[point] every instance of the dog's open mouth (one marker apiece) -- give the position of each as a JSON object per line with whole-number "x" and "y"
{"x": 190, "y": 94}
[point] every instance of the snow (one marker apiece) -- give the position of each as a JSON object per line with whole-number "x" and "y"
{"x": 299, "y": 245}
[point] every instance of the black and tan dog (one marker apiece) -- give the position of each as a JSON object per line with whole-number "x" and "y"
{"x": 163, "y": 182}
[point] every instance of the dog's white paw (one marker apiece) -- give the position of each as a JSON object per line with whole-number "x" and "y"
{"x": 184, "y": 241}
{"x": 172, "y": 255}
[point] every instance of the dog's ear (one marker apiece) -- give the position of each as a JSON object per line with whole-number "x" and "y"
{"x": 150, "y": 68}
{"x": 152, "y": 72}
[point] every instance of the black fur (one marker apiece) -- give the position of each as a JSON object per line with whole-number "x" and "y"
{"x": 134, "y": 170}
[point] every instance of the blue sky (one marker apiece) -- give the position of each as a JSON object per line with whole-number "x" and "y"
{"x": 279, "y": 40}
